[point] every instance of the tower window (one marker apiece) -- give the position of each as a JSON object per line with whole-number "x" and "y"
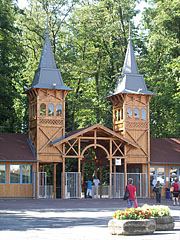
{"x": 143, "y": 114}
{"x": 43, "y": 109}
{"x": 51, "y": 109}
{"x": 129, "y": 113}
{"x": 119, "y": 115}
{"x": 136, "y": 113}
{"x": 122, "y": 113}
{"x": 58, "y": 110}
{"x": 115, "y": 113}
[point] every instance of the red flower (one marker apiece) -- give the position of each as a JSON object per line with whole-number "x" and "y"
{"x": 143, "y": 214}
{"x": 122, "y": 213}
{"x": 149, "y": 213}
{"x": 135, "y": 212}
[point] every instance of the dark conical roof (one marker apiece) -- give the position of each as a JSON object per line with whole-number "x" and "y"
{"x": 131, "y": 81}
{"x": 48, "y": 75}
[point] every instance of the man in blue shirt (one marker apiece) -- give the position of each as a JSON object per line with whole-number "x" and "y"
{"x": 89, "y": 189}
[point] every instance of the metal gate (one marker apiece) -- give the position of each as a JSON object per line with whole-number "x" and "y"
{"x": 42, "y": 184}
{"x": 140, "y": 182}
{"x": 45, "y": 191}
{"x": 117, "y": 185}
{"x": 72, "y": 185}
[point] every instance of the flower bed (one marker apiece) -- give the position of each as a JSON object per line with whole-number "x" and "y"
{"x": 143, "y": 220}
{"x": 161, "y": 214}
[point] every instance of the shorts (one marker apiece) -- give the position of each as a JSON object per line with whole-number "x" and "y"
{"x": 176, "y": 194}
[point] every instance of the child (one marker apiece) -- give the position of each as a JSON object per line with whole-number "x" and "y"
{"x": 158, "y": 192}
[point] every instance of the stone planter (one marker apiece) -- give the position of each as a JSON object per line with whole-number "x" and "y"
{"x": 131, "y": 227}
{"x": 165, "y": 223}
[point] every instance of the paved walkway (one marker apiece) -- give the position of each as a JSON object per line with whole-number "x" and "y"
{"x": 84, "y": 219}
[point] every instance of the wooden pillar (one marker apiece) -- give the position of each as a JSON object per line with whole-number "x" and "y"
{"x": 100, "y": 174}
{"x": 37, "y": 180}
{"x": 63, "y": 178}
{"x": 79, "y": 171}
{"x": 96, "y": 171}
{"x": 125, "y": 172}
{"x": 54, "y": 180}
{"x": 149, "y": 186}
{"x": 110, "y": 171}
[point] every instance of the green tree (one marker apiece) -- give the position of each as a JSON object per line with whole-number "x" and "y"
{"x": 161, "y": 64}
{"x": 11, "y": 63}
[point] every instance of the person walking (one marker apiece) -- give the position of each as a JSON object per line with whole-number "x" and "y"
{"x": 158, "y": 190}
{"x": 175, "y": 193}
{"x": 96, "y": 184}
{"x": 89, "y": 189}
{"x": 132, "y": 193}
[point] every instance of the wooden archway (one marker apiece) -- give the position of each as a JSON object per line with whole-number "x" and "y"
{"x": 94, "y": 145}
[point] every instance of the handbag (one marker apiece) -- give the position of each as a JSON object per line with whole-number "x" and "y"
{"x": 126, "y": 194}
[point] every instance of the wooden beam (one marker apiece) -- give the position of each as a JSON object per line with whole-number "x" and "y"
{"x": 37, "y": 180}
{"x": 71, "y": 147}
{"x": 54, "y": 180}
{"x": 95, "y": 140}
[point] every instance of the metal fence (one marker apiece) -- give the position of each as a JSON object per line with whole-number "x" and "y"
{"x": 140, "y": 182}
{"x": 116, "y": 185}
{"x": 100, "y": 191}
{"x": 72, "y": 185}
{"x": 45, "y": 191}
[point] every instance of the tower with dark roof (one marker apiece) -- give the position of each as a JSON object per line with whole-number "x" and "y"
{"x": 47, "y": 107}
{"x": 131, "y": 110}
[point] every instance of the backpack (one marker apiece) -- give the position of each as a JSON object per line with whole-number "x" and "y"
{"x": 126, "y": 194}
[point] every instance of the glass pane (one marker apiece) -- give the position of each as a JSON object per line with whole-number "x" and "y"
{"x": 43, "y": 109}
{"x": 172, "y": 179}
{"x": 160, "y": 170}
{"x": 161, "y": 179}
{"x": 58, "y": 110}
{"x": 14, "y": 173}
{"x": 136, "y": 113}
{"x": 152, "y": 171}
{"x": 115, "y": 113}
{"x": 143, "y": 114}
{"x": 26, "y": 173}
{"x": 129, "y": 113}
{"x": 119, "y": 115}
{"x": 2, "y": 174}
{"x": 51, "y": 110}
{"x": 173, "y": 171}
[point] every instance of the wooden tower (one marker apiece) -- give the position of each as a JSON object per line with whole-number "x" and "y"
{"x": 47, "y": 109}
{"x": 131, "y": 113}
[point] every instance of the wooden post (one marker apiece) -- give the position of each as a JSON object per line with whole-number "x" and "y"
{"x": 148, "y": 142}
{"x": 149, "y": 186}
{"x": 125, "y": 172}
{"x": 63, "y": 178}
{"x": 54, "y": 180}
{"x": 79, "y": 171}
{"x": 37, "y": 180}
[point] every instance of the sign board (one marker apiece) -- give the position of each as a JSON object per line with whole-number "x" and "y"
{"x": 118, "y": 161}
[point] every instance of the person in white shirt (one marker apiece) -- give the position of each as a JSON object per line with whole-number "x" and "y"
{"x": 96, "y": 184}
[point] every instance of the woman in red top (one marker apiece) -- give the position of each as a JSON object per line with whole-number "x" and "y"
{"x": 176, "y": 193}
{"x": 132, "y": 193}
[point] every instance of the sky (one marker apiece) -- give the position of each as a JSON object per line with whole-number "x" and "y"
{"x": 23, "y": 4}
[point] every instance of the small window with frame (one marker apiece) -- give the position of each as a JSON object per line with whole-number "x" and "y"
{"x": 43, "y": 109}
{"x": 129, "y": 113}
{"x": 51, "y": 109}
